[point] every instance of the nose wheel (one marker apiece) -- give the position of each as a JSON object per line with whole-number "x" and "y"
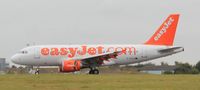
{"x": 37, "y": 71}
{"x": 94, "y": 71}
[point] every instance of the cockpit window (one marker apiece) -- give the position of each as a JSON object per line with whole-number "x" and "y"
{"x": 23, "y": 52}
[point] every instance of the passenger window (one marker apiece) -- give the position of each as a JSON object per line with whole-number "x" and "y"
{"x": 24, "y": 52}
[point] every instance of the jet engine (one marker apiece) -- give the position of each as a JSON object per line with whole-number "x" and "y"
{"x": 70, "y": 66}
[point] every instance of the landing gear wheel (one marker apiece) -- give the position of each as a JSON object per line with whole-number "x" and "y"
{"x": 94, "y": 71}
{"x": 37, "y": 71}
{"x": 90, "y": 72}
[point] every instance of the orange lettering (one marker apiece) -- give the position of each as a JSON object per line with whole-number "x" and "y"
{"x": 110, "y": 49}
{"x": 100, "y": 49}
{"x": 72, "y": 52}
{"x": 123, "y": 50}
{"x": 83, "y": 52}
{"x": 92, "y": 51}
{"x": 63, "y": 51}
{"x": 45, "y": 51}
{"x": 54, "y": 51}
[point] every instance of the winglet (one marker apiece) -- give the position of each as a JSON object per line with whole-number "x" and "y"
{"x": 166, "y": 32}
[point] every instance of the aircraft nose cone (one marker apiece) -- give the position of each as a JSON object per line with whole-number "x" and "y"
{"x": 15, "y": 59}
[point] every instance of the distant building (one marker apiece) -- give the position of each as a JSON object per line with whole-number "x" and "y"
{"x": 3, "y": 64}
{"x": 157, "y": 69}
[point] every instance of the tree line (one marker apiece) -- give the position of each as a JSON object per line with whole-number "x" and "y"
{"x": 185, "y": 68}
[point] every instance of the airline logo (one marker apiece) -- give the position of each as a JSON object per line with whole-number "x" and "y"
{"x": 83, "y": 50}
{"x": 164, "y": 29}
{"x": 166, "y": 32}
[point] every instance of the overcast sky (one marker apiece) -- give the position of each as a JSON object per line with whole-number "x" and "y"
{"x": 97, "y": 22}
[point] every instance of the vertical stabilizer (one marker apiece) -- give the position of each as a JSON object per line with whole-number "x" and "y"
{"x": 166, "y": 32}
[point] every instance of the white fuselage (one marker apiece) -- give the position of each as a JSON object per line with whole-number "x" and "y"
{"x": 53, "y": 55}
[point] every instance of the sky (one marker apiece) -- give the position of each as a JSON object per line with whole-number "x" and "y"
{"x": 97, "y": 22}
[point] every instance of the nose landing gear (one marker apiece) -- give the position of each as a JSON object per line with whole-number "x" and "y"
{"x": 33, "y": 70}
{"x": 37, "y": 71}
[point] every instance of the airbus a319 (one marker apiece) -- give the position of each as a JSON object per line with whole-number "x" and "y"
{"x": 71, "y": 58}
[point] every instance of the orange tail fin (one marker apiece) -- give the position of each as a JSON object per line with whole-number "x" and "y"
{"x": 166, "y": 32}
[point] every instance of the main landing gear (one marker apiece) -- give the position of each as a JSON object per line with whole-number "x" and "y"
{"x": 94, "y": 71}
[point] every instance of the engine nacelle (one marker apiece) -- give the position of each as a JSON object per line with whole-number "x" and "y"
{"x": 70, "y": 66}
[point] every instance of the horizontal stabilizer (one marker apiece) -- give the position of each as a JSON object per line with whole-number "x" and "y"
{"x": 173, "y": 49}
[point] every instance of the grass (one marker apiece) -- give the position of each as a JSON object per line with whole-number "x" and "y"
{"x": 99, "y": 82}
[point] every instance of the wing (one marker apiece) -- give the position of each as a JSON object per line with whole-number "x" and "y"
{"x": 97, "y": 60}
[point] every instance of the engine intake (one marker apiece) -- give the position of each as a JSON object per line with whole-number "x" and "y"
{"x": 70, "y": 66}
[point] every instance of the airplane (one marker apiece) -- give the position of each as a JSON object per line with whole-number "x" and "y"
{"x": 72, "y": 58}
